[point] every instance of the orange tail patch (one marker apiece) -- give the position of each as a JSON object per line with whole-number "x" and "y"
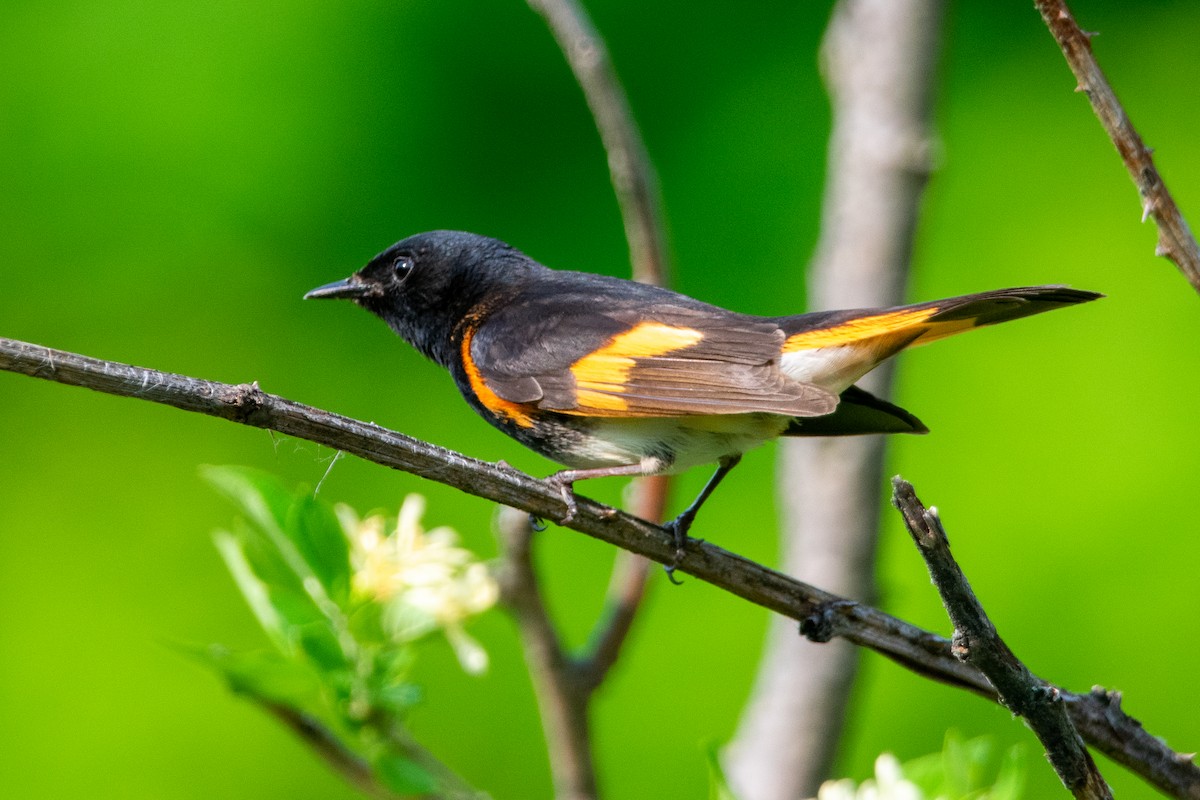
{"x": 856, "y": 330}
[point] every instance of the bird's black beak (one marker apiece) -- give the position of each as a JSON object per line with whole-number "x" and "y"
{"x": 346, "y": 289}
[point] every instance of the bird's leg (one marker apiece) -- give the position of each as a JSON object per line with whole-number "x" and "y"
{"x": 678, "y": 527}
{"x": 564, "y": 481}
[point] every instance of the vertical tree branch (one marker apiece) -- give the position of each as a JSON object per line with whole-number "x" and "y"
{"x": 562, "y": 696}
{"x": 1175, "y": 239}
{"x": 627, "y": 586}
{"x": 879, "y": 61}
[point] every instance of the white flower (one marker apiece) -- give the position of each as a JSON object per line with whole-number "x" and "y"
{"x": 424, "y": 580}
{"x": 889, "y": 784}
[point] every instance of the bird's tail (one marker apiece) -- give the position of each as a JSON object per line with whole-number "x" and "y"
{"x": 906, "y": 326}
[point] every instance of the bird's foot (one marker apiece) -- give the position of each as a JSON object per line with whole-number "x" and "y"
{"x": 565, "y": 485}
{"x": 678, "y": 529}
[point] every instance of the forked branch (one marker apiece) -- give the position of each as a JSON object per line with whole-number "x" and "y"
{"x": 976, "y": 642}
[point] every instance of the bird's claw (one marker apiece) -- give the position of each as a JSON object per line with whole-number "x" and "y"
{"x": 678, "y": 529}
{"x": 566, "y": 490}
{"x": 536, "y": 523}
{"x": 674, "y": 565}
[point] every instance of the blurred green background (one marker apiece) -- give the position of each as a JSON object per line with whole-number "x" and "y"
{"x": 175, "y": 176}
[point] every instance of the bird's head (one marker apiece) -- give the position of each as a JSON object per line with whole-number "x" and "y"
{"x": 426, "y": 284}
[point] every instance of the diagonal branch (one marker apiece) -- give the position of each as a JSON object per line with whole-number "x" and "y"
{"x": 344, "y": 762}
{"x": 358, "y": 772}
{"x": 822, "y": 615}
{"x": 633, "y": 177}
{"x": 1175, "y": 239}
{"x": 976, "y": 642}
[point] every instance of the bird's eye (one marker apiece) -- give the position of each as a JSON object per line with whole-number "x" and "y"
{"x": 402, "y": 265}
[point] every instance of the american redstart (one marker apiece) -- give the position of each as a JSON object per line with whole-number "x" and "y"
{"x": 612, "y": 377}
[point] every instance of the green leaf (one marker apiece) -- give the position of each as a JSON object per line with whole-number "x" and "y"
{"x": 366, "y": 623}
{"x": 962, "y": 771}
{"x": 315, "y": 531}
{"x": 264, "y": 558}
{"x": 257, "y": 595}
{"x": 404, "y": 776}
{"x": 276, "y": 547}
{"x": 274, "y": 593}
{"x": 398, "y": 699}
{"x": 265, "y": 676}
{"x": 403, "y": 622}
{"x": 261, "y": 496}
{"x": 1010, "y": 782}
{"x": 393, "y": 664}
{"x": 956, "y": 765}
{"x": 320, "y": 643}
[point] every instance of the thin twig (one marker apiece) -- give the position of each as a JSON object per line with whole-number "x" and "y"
{"x": 878, "y": 60}
{"x": 358, "y": 772}
{"x": 626, "y": 588}
{"x": 822, "y": 615}
{"x": 564, "y": 683}
{"x": 976, "y": 642}
{"x": 561, "y": 690}
{"x": 633, "y": 176}
{"x": 1175, "y": 239}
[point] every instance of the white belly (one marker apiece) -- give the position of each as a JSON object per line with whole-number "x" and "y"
{"x": 672, "y": 445}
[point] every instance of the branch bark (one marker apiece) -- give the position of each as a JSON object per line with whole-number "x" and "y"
{"x": 633, "y": 176}
{"x": 879, "y": 60}
{"x": 1175, "y": 239}
{"x": 977, "y": 643}
{"x": 822, "y": 615}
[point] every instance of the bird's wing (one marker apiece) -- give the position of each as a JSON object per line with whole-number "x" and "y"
{"x": 641, "y": 355}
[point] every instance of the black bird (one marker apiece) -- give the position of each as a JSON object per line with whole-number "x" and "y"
{"x": 612, "y": 377}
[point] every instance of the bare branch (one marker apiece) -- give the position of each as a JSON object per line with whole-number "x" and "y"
{"x": 633, "y": 176}
{"x": 345, "y": 763}
{"x": 1175, "y": 239}
{"x": 565, "y": 683}
{"x": 822, "y": 615}
{"x": 976, "y": 642}
{"x": 878, "y": 60}
{"x": 561, "y": 690}
{"x": 626, "y": 588}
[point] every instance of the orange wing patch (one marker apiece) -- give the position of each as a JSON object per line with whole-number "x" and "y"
{"x": 863, "y": 328}
{"x": 601, "y": 375}
{"x": 493, "y": 402}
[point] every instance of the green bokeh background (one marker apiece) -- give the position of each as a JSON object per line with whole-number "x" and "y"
{"x": 174, "y": 176}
